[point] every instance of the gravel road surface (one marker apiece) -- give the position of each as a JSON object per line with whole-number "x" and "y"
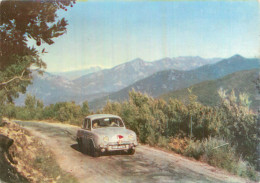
{"x": 147, "y": 165}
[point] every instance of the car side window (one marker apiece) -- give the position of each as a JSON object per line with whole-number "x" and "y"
{"x": 84, "y": 124}
{"x": 88, "y": 124}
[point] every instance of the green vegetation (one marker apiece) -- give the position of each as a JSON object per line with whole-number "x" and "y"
{"x": 34, "y": 109}
{"x": 217, "y": 152}
{"x": 224, "y": 136}
{"x": 46, "y": 163}
{"x": 22, "y": 21}
{"x": 207, "y": 91}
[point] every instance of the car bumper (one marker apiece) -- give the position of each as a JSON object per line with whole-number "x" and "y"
{"x": 117, "y": 147}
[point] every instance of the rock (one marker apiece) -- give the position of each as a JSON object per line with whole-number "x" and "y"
{"x": 5, "y": 143}
{"x": 2, "y": 123}
{"x": 8, "y": 173}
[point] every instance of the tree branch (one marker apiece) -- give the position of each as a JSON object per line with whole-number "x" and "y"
{"x": 16, "y": 77}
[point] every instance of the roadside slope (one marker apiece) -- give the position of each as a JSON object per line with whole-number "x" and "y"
{"x": 29, "y": 159}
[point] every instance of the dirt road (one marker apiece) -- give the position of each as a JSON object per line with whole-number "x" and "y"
{"x": 147, "y": 165}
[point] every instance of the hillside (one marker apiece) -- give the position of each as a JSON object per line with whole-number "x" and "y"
{"x": 52, "y": 88}
{"x": 71, "y": 75}
{"x": 171, "y": 80}
{"x": 123, "y": 75}
{"x": 27, "y": 159}
{"x": 58, "y": 87}
{"x": 242, "y": 81}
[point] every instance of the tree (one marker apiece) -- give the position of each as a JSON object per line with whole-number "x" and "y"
{"x": 23, "y": 21}
{"x": 85, "y": 108}
{"x": 30, "y": 102}
{"x": 240, "y": 124}
{"x": 68, "y": 111}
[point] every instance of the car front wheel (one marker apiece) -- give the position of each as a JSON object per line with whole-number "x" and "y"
{"x": 131, "y": 151}
{"x": 79, "y": 145}
{"x": 93, "y": 151}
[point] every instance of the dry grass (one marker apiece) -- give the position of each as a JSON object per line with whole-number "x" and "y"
{"x": 32, "y": 159}
{"x": 179, "y": 144}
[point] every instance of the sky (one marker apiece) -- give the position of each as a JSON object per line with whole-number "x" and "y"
{"x": 110, "y": 33}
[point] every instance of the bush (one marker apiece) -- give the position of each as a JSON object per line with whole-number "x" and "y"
{"x": 23, "y": 114}
{"x": 240, "y": 124}
{"x": 219, "y": 153}
{"x": 179, "y": 144}
{"x": 163, "y": 142}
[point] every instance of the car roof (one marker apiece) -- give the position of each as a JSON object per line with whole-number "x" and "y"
{"x": 98, "y": 116}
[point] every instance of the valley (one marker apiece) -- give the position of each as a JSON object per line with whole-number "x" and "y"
{"x": 154, "y": 78}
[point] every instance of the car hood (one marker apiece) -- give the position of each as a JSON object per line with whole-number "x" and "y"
{"x": 111, "y": 131}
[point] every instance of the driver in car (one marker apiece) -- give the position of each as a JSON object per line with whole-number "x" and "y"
{"x": 113, "y": 123}
{"x": 95, "y": 125}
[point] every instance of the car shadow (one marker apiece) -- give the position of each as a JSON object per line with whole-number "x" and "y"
{"x": 75, "y": 147}
{"x": 113, "y": 153}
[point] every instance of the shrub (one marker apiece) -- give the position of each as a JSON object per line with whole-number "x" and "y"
{"x": 163, "y": 142}
{"x": 195, "y": 149}
{"x": 219, "y": 153}
{"x": 239, "y": 124}
{"x": 179, "y": 144}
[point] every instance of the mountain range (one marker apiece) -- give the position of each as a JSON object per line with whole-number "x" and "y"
{"x": 171, "y": 80}
{"x": 55, "y": 87}
{"x": 52, "y": 88}
{"x": 71, "y": 75}
{"x": 207, "y": 91}
{"x": 155, "y": 78}
{"x": 123, "y": 75}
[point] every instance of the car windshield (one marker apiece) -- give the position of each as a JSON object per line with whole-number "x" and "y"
{"x": 107, "y": 122}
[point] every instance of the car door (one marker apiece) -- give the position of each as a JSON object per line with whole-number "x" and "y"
{"x": 87, "y": 132}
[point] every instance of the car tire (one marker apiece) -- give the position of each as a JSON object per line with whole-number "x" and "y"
{"x": 93, "y": 151}
{"x": 79, "y": 145}
{"x": 131, "y": 151}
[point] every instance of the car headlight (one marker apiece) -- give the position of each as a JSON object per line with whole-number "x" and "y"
{"x": 131, "y": 137}
{"x": 106, "y": 139}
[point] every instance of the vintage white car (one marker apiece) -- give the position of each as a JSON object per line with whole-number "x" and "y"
{"x": 104, "y": 133}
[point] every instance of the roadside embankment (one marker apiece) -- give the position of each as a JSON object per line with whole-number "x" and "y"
{"x": 23, "y": 158}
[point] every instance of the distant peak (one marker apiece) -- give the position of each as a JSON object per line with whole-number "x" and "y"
{"x": 137, "y": 60}
{"x": 166, "y": 58}
{"x": 189, "y": 57}
{"x": 237, "y": 56}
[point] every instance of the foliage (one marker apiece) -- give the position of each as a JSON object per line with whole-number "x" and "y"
{"x": 179, "y": 144}
{"x": 23, "y": 22}
{"x": 35, "y": 109}
{"x": 219, "y": 153}
{"x": 168, "y": 125}
{"x": 68, "y": 111}
{"x": 85, "y": 108}
{"x": 159, "y": 123}
{"x": 239, "y": 124}
{"x": 207, "y": 91}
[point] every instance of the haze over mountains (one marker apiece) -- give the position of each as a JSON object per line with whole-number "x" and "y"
{"x": 207, "y": 91}
{"x": 170, "y": 80}
{"x": 71, "y": 75}
{"x": 121, "y": 76}
{"x": 154, "y": 78}
{"x": 56, "y": 87}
